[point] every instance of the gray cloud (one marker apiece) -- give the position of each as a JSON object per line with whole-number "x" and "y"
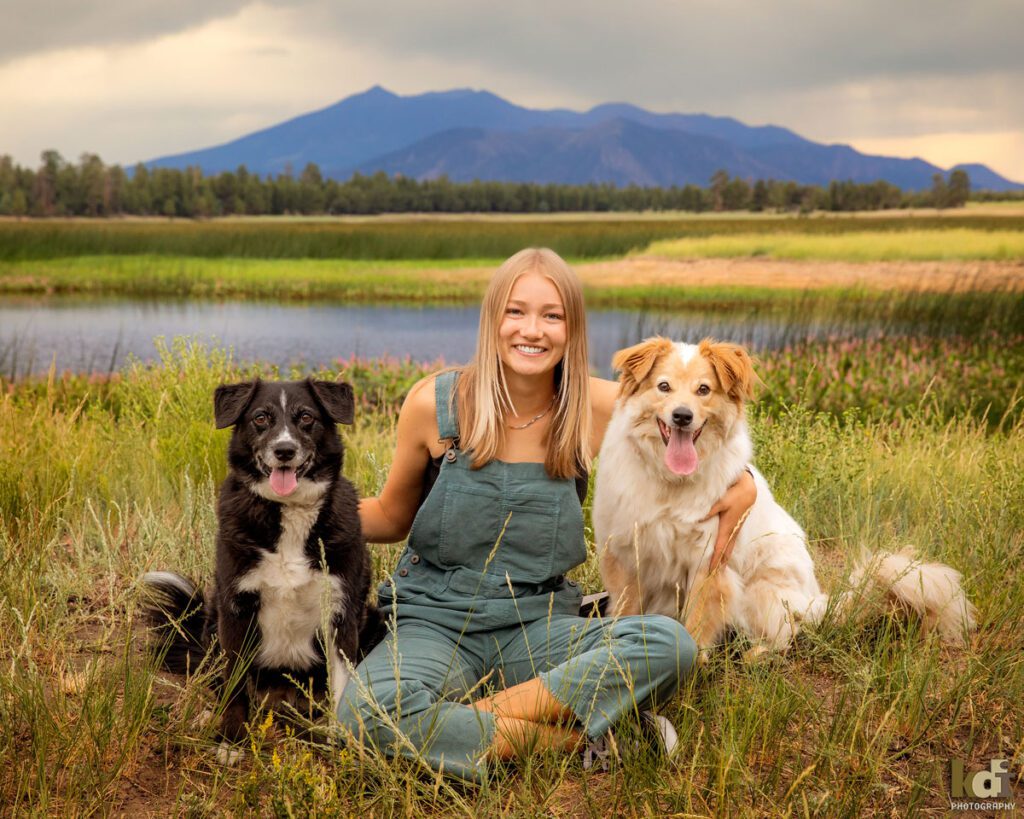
{"x": 45, "y": 25}
{"x": 669, "y": 45}
{"x": 678, "y": 50}
{"x": 668, "y": 54}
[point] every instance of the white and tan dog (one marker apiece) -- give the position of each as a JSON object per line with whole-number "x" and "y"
{"x": 677, "y": 440}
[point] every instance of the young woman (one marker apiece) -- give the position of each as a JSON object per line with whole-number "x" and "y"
{"x": 487, "y": 481}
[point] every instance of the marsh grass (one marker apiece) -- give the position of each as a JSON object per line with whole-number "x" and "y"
{"x": 951, "y": 244}
{"x": 417, "y": 238}
{"x": 279, "y": 279}
{"x": 102, "y": 481}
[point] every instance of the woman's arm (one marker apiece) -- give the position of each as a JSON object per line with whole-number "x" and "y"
{"x": 732, "y": 510}
{"x": 388, "y": 517}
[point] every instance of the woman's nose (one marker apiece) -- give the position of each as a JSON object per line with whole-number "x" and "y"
{"x": 531, "y": 327}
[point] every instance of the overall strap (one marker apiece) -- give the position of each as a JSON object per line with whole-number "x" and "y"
{"x": 447, "y": 406}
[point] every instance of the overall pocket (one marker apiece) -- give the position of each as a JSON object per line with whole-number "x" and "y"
{"x": 469, "y": 526}
{"x": 531, "y": 536}
{"x": 513, "y": 533}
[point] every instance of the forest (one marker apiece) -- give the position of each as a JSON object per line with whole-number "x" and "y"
{"x": 91, "y": 188}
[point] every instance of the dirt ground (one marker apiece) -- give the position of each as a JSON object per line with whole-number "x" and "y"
{"x": 799, "y": 275}
{"x": 637, "y": 271}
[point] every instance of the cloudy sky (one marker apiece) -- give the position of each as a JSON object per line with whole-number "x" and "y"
{"x": 136, "y": 79}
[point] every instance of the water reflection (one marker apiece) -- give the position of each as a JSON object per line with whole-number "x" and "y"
{"x": 84, "y": 334}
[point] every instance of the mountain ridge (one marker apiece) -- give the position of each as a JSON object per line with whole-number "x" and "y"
{"x": 475, "y": 134}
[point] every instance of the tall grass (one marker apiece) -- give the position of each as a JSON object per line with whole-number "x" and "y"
{"x": 390, "y": 239}
{"x": 959, "y": 244}
{"x": 102, "y": 481}
{"x": 149, "y": 276}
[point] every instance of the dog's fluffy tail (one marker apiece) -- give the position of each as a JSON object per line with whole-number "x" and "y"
{"x": 902, "y": 580}
{"x": 177, "y": 615}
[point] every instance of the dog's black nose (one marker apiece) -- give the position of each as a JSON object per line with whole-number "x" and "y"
{"x": 682, "y": 416}
{"x": 284, "y": 453}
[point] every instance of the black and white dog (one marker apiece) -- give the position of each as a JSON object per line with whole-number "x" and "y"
{"x": 289, "y": 544}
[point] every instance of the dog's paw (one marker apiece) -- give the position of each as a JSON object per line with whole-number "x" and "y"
{"x": 204, "y": 719}
{"x": 759, "y": 653}
{"x": 704, "y": 656}
{"x": 229, "y": 755}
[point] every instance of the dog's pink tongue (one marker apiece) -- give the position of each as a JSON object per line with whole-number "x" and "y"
{"x": 680, "y": 454}
{"x": 282, "y": 480}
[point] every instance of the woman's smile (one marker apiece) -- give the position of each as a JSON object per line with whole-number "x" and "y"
{"x": 532, "y": 333}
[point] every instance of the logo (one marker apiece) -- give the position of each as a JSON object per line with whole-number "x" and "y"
{"x": 987, "y": 789}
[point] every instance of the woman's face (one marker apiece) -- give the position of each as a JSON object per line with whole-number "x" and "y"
{"x": 532, "y": 333}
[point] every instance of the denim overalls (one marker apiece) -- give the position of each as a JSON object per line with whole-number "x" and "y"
{"x": 480, "y": 589}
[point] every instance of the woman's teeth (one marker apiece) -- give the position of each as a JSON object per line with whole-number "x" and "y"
{"x": 529, "y": 350}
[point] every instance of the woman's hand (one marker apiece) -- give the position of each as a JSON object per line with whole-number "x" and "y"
{"x": 732, "y": 510}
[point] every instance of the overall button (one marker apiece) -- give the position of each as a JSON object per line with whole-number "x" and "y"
{"x": 387, "y": 581}
{"x": 403, "y": 572}
{"x": 572, "y": 583}
{"x": 450, "y": 456}
{"x": 414, "y": 559}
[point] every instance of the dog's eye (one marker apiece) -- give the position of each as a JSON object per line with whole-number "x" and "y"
{"x": 261, "y": 419}
{"x": 664, "y": 386}
{"x": 306, "y": 419}
{"x": 703, "y": 389}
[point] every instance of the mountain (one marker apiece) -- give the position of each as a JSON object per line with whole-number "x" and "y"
{"x": 984, "y": 178}
{"x": 360, "y": 127}
{"x": 468, "y": 135}
{"x": 617, "y": 151}
{"x": 726, "y": 128}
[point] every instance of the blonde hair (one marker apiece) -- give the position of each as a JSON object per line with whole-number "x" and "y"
{"x": 484, "y": 401}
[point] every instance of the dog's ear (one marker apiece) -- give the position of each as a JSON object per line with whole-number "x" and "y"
{"x": 634, "y": 363}
{"x": 336, "y": 398}
{"x": 733, "y": 366}
{"x": 230, "y": 401}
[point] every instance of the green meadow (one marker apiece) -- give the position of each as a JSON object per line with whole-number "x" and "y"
{"x": 872, "y": 442}
{"x": 872, "y": 445}
{"x": 447, "y": 259}
{"x": 959, "y": 244}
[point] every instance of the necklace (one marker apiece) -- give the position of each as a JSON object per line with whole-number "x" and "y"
{"x": 535, "y": 418}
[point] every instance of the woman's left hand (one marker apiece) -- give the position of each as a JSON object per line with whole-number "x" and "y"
{"x": 732, "y": 510}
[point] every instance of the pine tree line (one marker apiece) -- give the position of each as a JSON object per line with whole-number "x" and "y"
{"x": 91, "y": 188}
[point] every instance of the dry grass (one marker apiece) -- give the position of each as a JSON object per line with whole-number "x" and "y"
{"x": 786, "y": 274}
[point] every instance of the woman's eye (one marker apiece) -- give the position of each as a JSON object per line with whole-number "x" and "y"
{"x": 664, "y": 386}
{"x": 703, "y": 389}
{"x": 513, "y": 311}
{"x": 554, "y": 317}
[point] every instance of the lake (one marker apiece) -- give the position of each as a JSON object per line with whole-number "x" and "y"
{"x": 99, "y": 334}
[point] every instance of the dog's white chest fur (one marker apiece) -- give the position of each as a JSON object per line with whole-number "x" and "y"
{"x": 292, "y": 594}
{"x": 634, "y": 502}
